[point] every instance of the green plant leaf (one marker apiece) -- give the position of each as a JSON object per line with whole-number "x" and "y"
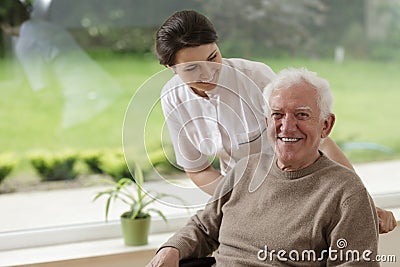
{"x": 159, "y": 213}
{"x": 108, "y": 203}
{"x": 137, "y": 199}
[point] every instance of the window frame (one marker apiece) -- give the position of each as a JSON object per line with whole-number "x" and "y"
{"x": 47, "y": 236}
{"x": 29, "y": 238}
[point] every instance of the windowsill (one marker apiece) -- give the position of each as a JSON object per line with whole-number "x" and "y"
{"x": 92, "y": 250}
{"x": 100, "y": 248}
{"x": 92, "y": 242}
{"x": 73, "y": 251}
{"x": 101, "y": 242}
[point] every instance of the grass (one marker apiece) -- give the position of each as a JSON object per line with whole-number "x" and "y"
{"x": 366, "y": 106}
{"x": 31, "y": 121}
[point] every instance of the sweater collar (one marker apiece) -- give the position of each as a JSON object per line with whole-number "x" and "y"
{"x": 302, "y": 172}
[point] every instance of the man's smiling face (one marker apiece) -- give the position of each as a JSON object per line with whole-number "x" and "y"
{"x": 295, "y": 126}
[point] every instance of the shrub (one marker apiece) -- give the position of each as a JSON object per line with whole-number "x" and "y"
{"x": 7, "y": 164}
{"x": 54, "y": 166}
{"x": 93, "y": 161}
{"x": 163, "y": 161}
{"x": 113, "y": 163}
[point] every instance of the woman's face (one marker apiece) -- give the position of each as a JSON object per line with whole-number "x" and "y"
{"x": 199, "y": 66}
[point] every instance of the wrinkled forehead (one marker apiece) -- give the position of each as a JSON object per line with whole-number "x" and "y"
{"x": 297, "y": 97}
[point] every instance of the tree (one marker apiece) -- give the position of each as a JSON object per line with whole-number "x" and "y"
{"x": 9, "y": 13}
{"x": 248, "y": 28}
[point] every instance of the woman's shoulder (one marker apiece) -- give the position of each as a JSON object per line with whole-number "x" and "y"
{"x": 258, "y": 71}
{"x": 172, "y": 83}
{"x": 241, "y": 63}
{"x": 171, "y": 94}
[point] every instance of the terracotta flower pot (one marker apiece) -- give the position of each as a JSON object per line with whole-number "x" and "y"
{"x": 135, "y": 231}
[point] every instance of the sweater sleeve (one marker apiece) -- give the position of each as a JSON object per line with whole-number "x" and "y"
{"x": 354, "y": 238}
{"x": 199, "y": 237}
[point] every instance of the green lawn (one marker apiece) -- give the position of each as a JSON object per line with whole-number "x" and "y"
{"x": 366, "y": 99}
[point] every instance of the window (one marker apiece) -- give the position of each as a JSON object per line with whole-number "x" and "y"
{"x": 64, "y": 102}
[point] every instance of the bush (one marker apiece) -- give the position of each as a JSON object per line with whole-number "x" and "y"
{"x": 384, "y": 52}
{"x": 54, "y": 166}
{"x": 7, "y": 164}
{"x": 113, "y": 163}
{"x": 93, "y": 161}
{"x": 163, "y": 161}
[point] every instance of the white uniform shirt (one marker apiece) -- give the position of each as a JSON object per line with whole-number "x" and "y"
{"x": 229, "y": 124}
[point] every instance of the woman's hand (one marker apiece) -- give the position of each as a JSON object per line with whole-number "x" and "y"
{"x": 387, "y": 222}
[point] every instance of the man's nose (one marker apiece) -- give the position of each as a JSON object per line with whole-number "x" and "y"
{"x": 288, "y": 124}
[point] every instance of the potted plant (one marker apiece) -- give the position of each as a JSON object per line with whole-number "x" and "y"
{"x": 135, "y": 222}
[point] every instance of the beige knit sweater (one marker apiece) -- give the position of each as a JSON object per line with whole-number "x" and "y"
{"x": 321, "y": 215}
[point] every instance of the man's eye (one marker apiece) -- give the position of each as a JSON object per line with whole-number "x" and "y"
{"x": 276, "y": 115}
{"x": 302, "y": 115}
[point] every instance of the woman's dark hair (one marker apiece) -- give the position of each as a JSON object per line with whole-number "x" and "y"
{"x": 183, "y": 29}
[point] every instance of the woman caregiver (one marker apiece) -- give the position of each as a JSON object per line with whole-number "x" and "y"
{"x": 213, "y": 106}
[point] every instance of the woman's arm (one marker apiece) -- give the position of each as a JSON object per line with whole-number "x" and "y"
{"x": 207, "y": 179}
{"x": 332, "y": 150}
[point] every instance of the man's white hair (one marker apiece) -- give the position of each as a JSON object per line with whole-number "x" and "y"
{"x": 290, "y": 77}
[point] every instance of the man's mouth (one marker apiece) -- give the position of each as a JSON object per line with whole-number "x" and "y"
{"x": 289, "y": 139}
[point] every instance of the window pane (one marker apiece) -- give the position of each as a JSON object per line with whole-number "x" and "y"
{"x": 66, "y": 82}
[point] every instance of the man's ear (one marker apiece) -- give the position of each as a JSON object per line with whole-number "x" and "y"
{"x": 328, "y": 125}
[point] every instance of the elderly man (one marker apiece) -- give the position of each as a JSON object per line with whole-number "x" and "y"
{"x": 302, "y": 210}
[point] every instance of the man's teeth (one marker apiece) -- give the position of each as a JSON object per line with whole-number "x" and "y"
{"x": 284, "y": 139}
